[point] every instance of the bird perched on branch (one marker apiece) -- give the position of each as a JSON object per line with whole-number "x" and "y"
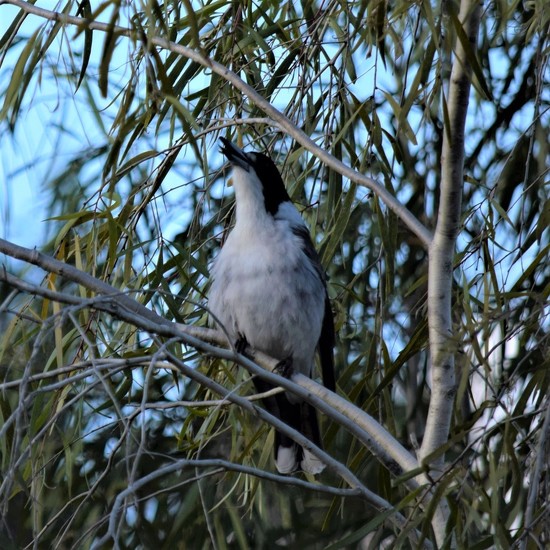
{"x": 269, "y": 291}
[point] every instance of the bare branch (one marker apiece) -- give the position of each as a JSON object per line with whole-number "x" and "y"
{"x": 210, "y": 463}
{"x": 380, "y": 442}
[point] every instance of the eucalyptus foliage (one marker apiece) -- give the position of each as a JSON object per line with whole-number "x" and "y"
{"x": 105, "y": 437}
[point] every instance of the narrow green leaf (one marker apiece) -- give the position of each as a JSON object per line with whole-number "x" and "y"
{"x": 340, "y": 223}
{"x": 16, "y": 76}
{"x": 401, "y": 117}
{"x": 109, "y": 45}
{"x": 136, "y": 161}
{"x": 8, "y": 38}
{"x": 85, "y": 9}
{"x": 470, "y": 54}
{"x": 282, "y": 72}
{"x": 188, "y": 122}
{"x": 193, "y": 25}
{"x": 541, "y": 257}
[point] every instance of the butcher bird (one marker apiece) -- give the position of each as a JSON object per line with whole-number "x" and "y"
{"x": 269, "y": 291}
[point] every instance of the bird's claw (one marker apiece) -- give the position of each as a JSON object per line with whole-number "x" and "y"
{"x": 241, "y": 343}
{"x": 284, "y": 368}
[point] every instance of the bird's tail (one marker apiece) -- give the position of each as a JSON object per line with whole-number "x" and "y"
{"x": 290, "y": 456}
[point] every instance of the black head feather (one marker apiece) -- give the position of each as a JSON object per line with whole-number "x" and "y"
{"x": 273, "y": 188}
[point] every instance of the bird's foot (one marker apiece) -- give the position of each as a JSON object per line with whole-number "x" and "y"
{"x": 241, "y": 343}
{"x": 284, "y": 367}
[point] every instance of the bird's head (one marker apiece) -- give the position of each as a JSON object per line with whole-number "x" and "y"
{"x": 255, "y": 175}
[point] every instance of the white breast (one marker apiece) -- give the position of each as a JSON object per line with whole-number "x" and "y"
{"x": 265, "y": 289}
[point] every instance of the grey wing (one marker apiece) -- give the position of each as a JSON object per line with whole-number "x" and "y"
{"x": 326, "y": 347}
{"x": 327, "y": 338}
{"x": 302, "y": 233}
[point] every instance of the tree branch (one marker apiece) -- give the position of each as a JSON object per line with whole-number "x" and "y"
{"x": 378, "y": 440}
{"x": 222, "y": 465}
{"x": 278, "y": 118}
{"x": 441, "y": 256}
{"x": 440, "y": 277}
{"x": 363, "y": 492}
{"x": 382, "y": 444}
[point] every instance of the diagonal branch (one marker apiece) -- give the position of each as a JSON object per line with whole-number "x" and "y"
{"x": 108, "y": 303}
{"x": 221, "y": 465}
{"x": 278, "y": 118}
{"x": 378, "y": 440}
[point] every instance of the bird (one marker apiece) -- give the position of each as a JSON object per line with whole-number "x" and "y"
{"x": 269, "y": 291}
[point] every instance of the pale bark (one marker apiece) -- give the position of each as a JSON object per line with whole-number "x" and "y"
{"x": 443, "y": 343}
{"x": 442, "y": 249}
